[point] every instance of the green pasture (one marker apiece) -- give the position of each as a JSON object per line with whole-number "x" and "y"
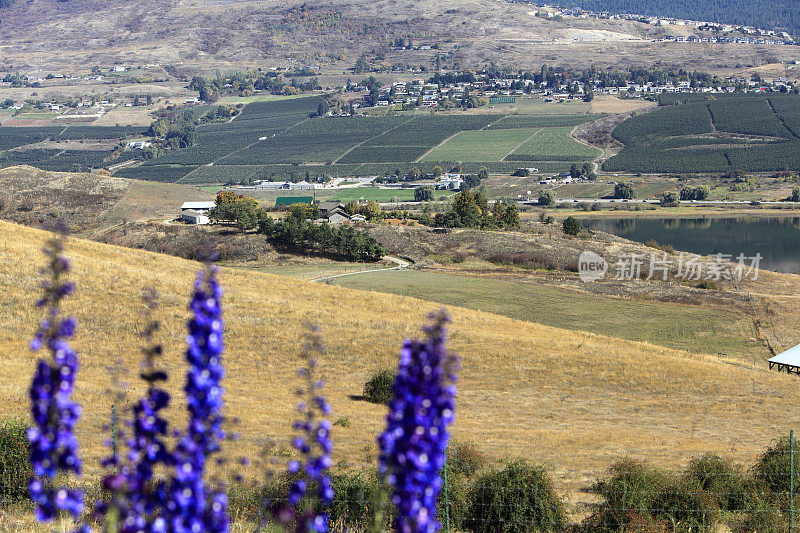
{"x": 684, "y": 327}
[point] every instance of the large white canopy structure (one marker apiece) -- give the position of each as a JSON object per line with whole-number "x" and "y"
{"x": 788, "y": 361}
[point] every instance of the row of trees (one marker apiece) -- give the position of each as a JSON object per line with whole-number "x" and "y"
{"x": 300, "y": 235}
{"x": 471, "y": 210}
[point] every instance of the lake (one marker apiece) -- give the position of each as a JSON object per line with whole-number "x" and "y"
{"x": 777, "y": 239}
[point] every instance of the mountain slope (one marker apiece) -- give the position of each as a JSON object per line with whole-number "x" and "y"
{"x": 765, "y": 14}
{"x": 203, "y": 35}
{"x": 577, "y": 401}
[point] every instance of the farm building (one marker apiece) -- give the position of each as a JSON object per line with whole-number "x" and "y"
{"x": 200, "y": 207}
{"x": 286, "y": 201}
{"x": 337, "y": 216}
{"x": 194, "y": 217}
{"x": 330, "y": 205}
{"x": 788, "y": 361}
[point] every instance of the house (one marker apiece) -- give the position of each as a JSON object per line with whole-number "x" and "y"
{"x": 194, "y": 217}
{"x": 198, "y": 207}
{"x": 337, "y": 216}
{"x": 329, "y": 205}
{"x": 358, "y": 218}
{"x": 286, "y": 201}
{"x": 139, "y": 145}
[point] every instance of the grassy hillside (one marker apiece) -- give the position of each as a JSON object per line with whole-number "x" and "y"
{"x": 687, "y": 327}
{"x": 574, "y": 400}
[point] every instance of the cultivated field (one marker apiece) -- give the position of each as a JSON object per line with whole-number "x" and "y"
{"x": 574, "y": 401}
{"x": 712, "y": 134}
{"x": 275, "y": 138}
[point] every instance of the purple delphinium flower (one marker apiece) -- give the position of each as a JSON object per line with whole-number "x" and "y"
{"x": 136, "y": 503}
{"x": 54, "y": 447}
{"x": 313, "y": 441}
{"x": 190, "y": 507}
{"x": 415, "y": 441}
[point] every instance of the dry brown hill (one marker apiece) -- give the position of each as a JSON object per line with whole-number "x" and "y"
{"x": 208, "y": 34}
{"x": 572, "y": 400}
{"x": 88, "y": 202}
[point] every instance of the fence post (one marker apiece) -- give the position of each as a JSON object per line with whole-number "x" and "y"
{"x": 446, "y": 496}
{"x": 114, "y": 435}
{"x": 791, "y": 480}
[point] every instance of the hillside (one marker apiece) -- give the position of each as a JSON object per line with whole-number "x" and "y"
{"x": 89, "y": 202}
{"x": 766, "y": 14}
{"x": 203, "y": 35}
{"x": 573, "y": 400}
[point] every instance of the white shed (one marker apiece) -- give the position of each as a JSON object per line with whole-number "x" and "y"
{"x": 788, "y": 361}
{"x": 194, "y": 217}
{"x": 200, "y": 207}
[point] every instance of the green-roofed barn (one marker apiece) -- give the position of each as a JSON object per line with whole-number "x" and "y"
{"x": 289, "y": 200}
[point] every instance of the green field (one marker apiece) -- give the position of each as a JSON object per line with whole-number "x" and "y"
{"x": 678, "y": 326}
{"x": 758, "y": 133}
{"x": 553, "y": 144}
{"x": 481, "y": 145}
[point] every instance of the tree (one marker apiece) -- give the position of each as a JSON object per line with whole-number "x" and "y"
{"x": 623, "y": 191}
{"x": 795, "y": 197}
{"x": 669, "y": 199}
{"x": 589, "y": 96}
{"x": 322, "y": 108}
{"x": 362, "y": 65}
{"x": 471, "y": 181}
{"x": 571, "y": 226}
{"x": 423, "y": 194}
{"x": 574, "y": 172}
{"x": 437, "y": 171}
{"x": 372, "y": 211}
{"x": 547, "y": 198}
{"x": 466, "y": 208}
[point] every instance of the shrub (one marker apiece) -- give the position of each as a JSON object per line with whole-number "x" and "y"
{"x": 721, "y": 479}
{"x": 571, "y": 226}
{"x": 638, "y": 494}
{"x": 773, "y": 467}
{"x": 379, "y": 388}
{"x": 519, "y": 496}
{"x": 15, "y": 467}
{"x": 706, "y": 284}
{"x": 465, "y": 459}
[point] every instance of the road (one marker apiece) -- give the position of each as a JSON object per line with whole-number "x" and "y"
{"x": 698, "y": 203}
{"x": 401, "y": 264}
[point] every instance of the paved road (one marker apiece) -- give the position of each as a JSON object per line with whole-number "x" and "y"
{"x": 401, "y": 264}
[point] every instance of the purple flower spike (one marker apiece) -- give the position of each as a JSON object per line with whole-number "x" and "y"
{"x": 315, "y": 445}
{"x": 191, "y": 507}
{"x": 414, "y": 443}
{"x": 54, "y": 448}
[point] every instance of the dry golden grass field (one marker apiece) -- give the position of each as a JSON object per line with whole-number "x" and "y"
{"x": 571, "y": 400}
